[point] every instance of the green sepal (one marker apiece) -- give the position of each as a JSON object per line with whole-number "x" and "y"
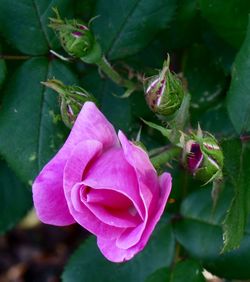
{"x": 164, "y": 131}
{"x": 76, "y": 38}
{"x": 72, "y": 98}
{"x": 164, "y": 92}
{"x": 210, "y": 168}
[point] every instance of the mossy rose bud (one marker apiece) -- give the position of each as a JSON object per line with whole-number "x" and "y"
{"x": 164, "y": 92}
{"x": 203, "y": 157}
{"x": 76, "y": 39}
{"x": 72, "y": 98}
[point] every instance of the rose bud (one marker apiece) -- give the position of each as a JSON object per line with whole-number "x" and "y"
{"x": 76, "y": 38}
{"x": 72, "y": 99}
{"x": 164, "y": 92}
{"x": 203, "y": 157}
{"x": 106, "y": 184}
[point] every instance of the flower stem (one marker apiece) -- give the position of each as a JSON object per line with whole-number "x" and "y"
{"x": 165, "y": 156}
{"x": 106, "y": 67}
{"x": 14, "y": 57}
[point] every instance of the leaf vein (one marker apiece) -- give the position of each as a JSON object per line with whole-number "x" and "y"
{"x": 40, "y": 23}
{"x": 119, "y": 31}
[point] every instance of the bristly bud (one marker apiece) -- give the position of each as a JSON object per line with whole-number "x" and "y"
{"x": 164, "y": 92}
{"x": 72, "y": 99}
{"x": 76, "y": 38}
{"x": 203, "y": 157}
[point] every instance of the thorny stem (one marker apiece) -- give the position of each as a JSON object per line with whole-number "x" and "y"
{"x": 165, "y": 156}
{"x": 106, "y": 67}
{"x": 158, "y": 151}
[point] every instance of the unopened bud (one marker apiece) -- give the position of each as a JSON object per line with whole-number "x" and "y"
{"x": 203, "y": 156}
{"x": 164, "y": 92}
{"x": 72, "y": 99}
{"x": 76, "y": 39}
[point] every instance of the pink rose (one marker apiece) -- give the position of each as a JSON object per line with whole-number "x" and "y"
{"x": 107, "y": 185}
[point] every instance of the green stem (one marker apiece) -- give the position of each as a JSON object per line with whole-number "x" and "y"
{"x": 165, "y": 156}
{"x": 106, "y": 67}
{"x": 158, "y": 150}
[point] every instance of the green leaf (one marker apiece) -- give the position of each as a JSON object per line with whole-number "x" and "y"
{"x": 117, "y": 110}
{"x": 84, "y": 9}
{"x": 216, "y": 121}
{"x": 3, "y": 70}
{"x": 87, "y": 259}
{"x": 15, "y": 199}
{"x": 228, "y": 18}
{"x": 148, "y": 59}
{"x": 200, "y": 233}
{"x": 222, "y": 52}
{"x": 182, "y": 270}
{"x": 160, "y": 275}
{"x": 238, "y": 102}
{"x": 30, "y": 124}
{"x": 184, "y": 29}
{"x": 205, "y": 80}
{"x": 125, "y": 27}
{"x": 237, "y": 166}
{"x": 24, "y": 24}
{"x": 188, "y": 268}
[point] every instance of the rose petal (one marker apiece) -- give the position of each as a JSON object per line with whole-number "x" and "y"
{"x": 130, "y": 236}
{"x": 165, "y": 181}
{"x": 87, "y": 219}
{"x": 111, "y": 207}
{"x": 91, "y": 124}
{"x": 111, "y": 171}
{"x": 83, "y": 154}
{"x": 109, "y": 247}
{"x": 145, "y": 171}
{"x": 148, "y": 187}
{"x": 112, "y": 253}
{"x": 48, "y": 195}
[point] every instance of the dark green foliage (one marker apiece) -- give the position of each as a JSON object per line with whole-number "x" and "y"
{"x": 84, "y": 262}
{"x": 209, "y": 46}
{"x": 15, "y": 198}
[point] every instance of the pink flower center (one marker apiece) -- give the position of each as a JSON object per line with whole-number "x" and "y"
{"x": 110, "y": 206}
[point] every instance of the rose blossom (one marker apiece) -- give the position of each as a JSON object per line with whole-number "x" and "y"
{"x": 106, "y": 184}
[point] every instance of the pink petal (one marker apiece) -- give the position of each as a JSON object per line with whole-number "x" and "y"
{"x": 130, "y": 236}
{"x": 145, "y": 171}
{"x": 83, "y": 154}
{"x": 112, "y": 253}
{"x": 91, "y": 124}
{"x": 48, "y": 195}
{"x": 111, "y": 207}
{"x": 77, "y": 163}
{"x": 110, "y": 249}
{"x": 111, "y": 171}
{"x": 148, "y": 187}
{"x": 165, "y": 181}
{"x": 87, "y": 219}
